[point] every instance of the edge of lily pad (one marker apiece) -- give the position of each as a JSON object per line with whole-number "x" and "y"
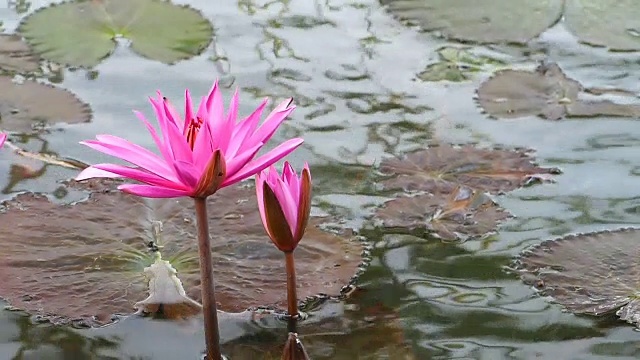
{"x": 516, "y": 267}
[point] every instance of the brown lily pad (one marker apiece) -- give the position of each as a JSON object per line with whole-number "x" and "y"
{"x": 490, "y": 170}
{"x": 546, "y": 92}
{"x": 457, "y": 215}
{"x": 31, "y": 106}
{"x": 16, "y": 56}
{"x": 103, "y": 245}
{"x": 595, "y": 273}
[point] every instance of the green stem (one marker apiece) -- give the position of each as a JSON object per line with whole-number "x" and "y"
{"x": 292, "y": 297}
{"x": 211, "y": 332}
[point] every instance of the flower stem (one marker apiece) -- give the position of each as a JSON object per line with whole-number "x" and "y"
{"x": 211, "y": 333}
{"x": 292, "y": 297}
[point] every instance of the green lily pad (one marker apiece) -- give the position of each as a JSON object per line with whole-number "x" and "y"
{"x": 606, "y": 23}
{"x": 484, "y": 21}
{"x": 32, "y": 106}
{"x": 16, "y": 56}
{"x": 546, "y": 92}
{"x": 456, "y": 65}
{"x": 594, "y": 273}
{"x": 598, "y": 22}
{"x": 82, "y": 33}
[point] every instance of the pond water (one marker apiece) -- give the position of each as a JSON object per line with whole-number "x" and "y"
{"x": 353, "y": 71}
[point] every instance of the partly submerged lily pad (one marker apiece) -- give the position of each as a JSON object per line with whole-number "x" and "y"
{"x": 596, "y": 273}
{"x": 16, "y": 56}
{"x": 82, "y": 33}
{"x": 487, "y": 21}
{"x": 31, "y": 106}
{"x": 595, "y": 22}
{"x": 449, "y": 215}
{"x": 87, "y": 261}
{"x": 546, "y": 92}
{"x": 456, "y": 64}
{"x": 494, "y": 171}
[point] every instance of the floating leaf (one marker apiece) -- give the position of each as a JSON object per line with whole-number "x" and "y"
{"x": 31, "y": 106}
{"x": 448, "y": 215}
{"x": 595, "y": 273}
{"x": 456, "y": 64}
{"x": 594, "y": 22}
{"x": 103, "y": 245}
{"x": 597, "y": 22}
{"x": 494, "y": 171}
{"x": 16, "y": 56}
{"x": 513, "y": 21}
{"x": 82, "y": 33}
{"x": 546, "y": 92}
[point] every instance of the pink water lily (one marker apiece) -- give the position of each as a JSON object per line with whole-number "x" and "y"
{"x": 284, "y": 204}
{"x": 199, "y": 154}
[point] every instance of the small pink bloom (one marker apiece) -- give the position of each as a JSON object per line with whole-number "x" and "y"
{"x": 199, "y": 154}
{"x": 3, "y": 138}
{"x": 285, "y": 204}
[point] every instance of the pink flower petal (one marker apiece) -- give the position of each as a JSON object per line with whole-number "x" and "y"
{"x": 93, "y": 172}
{"x": 187, "y": 173}
{"x": 3, "y": 138}
{"x": 152, "y": 191}
{"x": 132, "y": 153}
{"x": 288, "y": 204}
{"x": 240, "y": 160}
{"x": 166, "y": 153}
{"x": 139, "y": 175}
{"x": 188, "y": 112}
{"x": 272, "y": 122}
{"x": 264, "y": 161}
{"x": 245, "y": 129}
{"x": 260, "y": 194}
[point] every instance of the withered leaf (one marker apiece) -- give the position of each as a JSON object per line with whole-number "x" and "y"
{"x": 456, "y": 215}
{"x": 87, "y": 260}
{"x": 546, "y": 92}
{"x": 31, "y": 106}
{"x": 16, "y": 56}
{"x": 443, "y": 167}
{"x": 594, "y": 273}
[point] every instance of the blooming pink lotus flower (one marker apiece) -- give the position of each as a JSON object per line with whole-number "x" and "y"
{"x": 3, "y": 138}
{"x": 199, "y": 154}
{"x": 284, "y": 204}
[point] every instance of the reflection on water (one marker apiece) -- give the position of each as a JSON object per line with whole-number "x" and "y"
{"x": 353, "y": 71}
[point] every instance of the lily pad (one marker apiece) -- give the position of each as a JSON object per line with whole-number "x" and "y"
{"x": 16, "y": 56}
{"x": 31, "y": 106}
{"x": 82, "y": 33}
{"x": 546, "y": 92}
{"x": 449, "y": 215}
{"x": 494, "y": 171}
{"x": 595, "y": 22}
{"x": 456, "y": 64}
{"x": 485, "y": 21}
{"x": 103, "y": 245}
{"x": 595, "y": 273}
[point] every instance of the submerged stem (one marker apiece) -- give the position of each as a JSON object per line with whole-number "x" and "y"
{"x": 211, "y": 332}
{"x": 292, "y": 297}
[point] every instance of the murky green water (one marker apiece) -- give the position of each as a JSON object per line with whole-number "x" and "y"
{"x": 353, "y": 69}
